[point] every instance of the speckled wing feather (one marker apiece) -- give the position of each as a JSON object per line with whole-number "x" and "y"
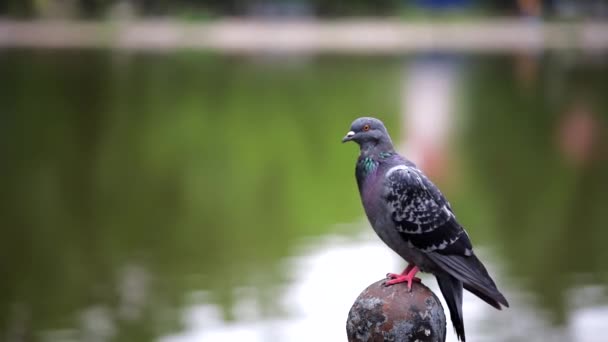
{"x": 421, "y": 214}
{"x": 425, "y": 220}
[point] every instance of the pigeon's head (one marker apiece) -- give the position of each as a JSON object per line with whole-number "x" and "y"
{"x": 367, "y": 132}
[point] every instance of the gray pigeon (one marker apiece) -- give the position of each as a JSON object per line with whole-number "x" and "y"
{"x": 414, "y": 219}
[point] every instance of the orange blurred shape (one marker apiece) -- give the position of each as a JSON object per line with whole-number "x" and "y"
{"x": 530, "y": 7}
{"x": 578, "y": 131}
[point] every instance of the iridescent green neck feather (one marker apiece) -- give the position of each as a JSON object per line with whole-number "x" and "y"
{"x": 367, "y": 165}
{"x": 385, "y": 155}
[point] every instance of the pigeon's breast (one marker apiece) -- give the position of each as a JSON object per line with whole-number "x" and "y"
{"x": 379, "y": 215}
{"x": 371, "y": 195}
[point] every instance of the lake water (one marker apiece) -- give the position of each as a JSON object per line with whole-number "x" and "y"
{"x": 191, "y": 196}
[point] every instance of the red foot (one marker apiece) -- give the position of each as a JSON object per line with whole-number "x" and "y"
{"x": 408, "y": 275}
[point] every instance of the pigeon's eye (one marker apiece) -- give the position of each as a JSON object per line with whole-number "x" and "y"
{"x": 365, "y": 128}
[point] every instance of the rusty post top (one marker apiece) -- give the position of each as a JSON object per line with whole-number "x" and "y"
{"x": 392, "y": 313}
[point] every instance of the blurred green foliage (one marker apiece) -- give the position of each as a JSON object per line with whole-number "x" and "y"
{"x": 213, "y": 8}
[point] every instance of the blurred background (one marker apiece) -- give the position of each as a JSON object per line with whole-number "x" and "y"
{"x": 172, "y": 170}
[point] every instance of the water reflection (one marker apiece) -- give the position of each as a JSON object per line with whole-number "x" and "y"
{"x": 548, "y": 211}
{"x": 186, "y": 196}
{"x": 327, "y": 278}
{"x": 325, "y": 281}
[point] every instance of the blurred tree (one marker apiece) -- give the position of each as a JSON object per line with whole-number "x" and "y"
{"x": 324, "y": 8}
{"x": 94, "y": 8}
{"x": 18, "y": 8}
{"x": 357, "y": 7}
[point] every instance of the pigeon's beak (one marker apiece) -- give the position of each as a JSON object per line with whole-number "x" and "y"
{"x": 348, "y": 137}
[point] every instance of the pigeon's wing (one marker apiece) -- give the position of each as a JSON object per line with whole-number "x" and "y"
{"x": 422, "y": 214}
{"x": 425, "y": 220}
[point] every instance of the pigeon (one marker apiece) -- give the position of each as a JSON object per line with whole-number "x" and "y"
{"x": 409, "y": 214}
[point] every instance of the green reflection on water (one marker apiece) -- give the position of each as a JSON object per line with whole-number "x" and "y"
{"x": 205, "y": 171}
{"x": 547, "y": 196}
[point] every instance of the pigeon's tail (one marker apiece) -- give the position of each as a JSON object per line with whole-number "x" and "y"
{"x": 474, "y": 276}
{"x": 451, "y": 288}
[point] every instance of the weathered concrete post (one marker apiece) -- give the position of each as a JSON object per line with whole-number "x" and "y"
{"x": 392, "y": 313}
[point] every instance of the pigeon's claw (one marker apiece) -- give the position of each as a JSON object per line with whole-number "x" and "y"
{"x": 409, "y": 276}
{"x": 402, "y": 279}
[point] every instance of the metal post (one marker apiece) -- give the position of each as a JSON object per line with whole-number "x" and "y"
{"x": 392, "y": 313}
